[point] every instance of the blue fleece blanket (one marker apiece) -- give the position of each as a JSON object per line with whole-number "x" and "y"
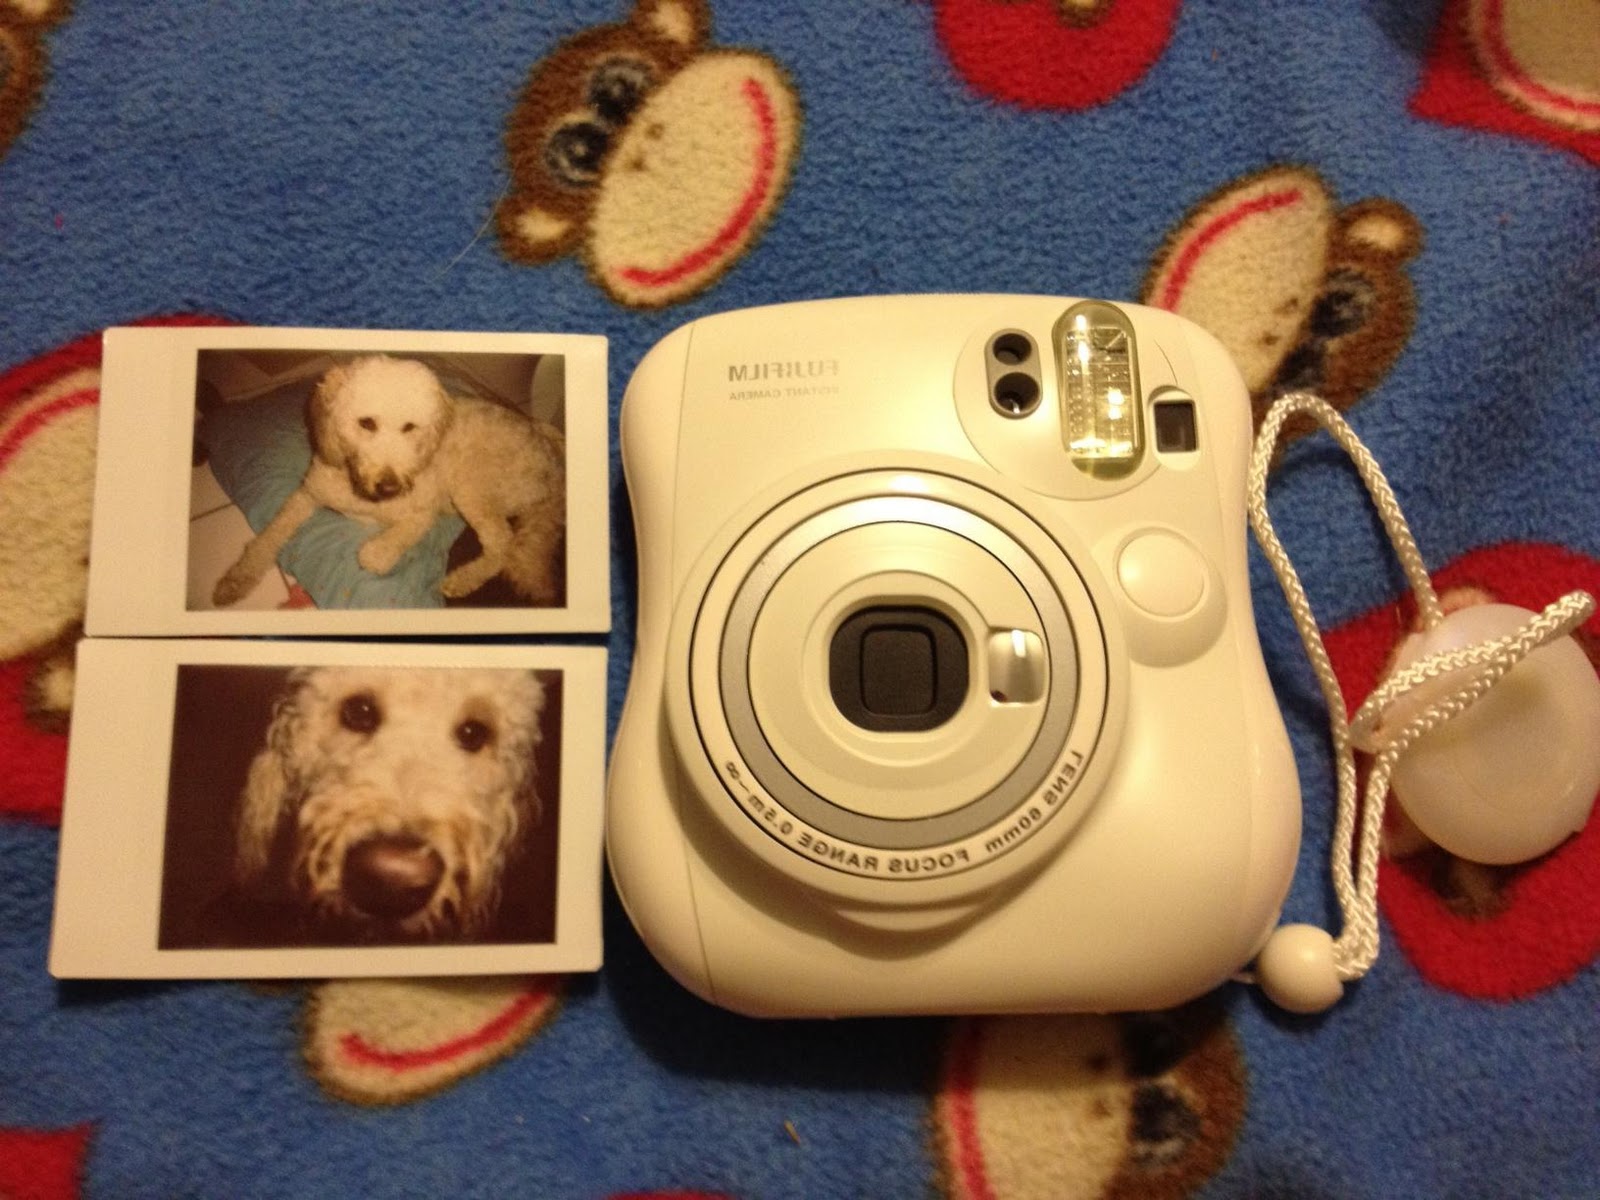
{"x": 1393, "y": 202}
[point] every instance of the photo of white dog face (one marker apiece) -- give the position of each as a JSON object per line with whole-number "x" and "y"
{"x": 379, "y": 806}
{"x": 334, "y": 479}
{"x": 381, "y": 420}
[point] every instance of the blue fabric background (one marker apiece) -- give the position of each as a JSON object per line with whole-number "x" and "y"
{"x": 285, "y": 163}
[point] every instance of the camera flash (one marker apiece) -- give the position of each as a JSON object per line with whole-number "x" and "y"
{"x": 1098, "y": 377}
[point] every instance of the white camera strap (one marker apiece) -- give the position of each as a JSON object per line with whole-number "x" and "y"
{"x": 1299, "y": 969}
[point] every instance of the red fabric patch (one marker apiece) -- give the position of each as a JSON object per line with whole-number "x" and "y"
{"x": 1454, "y": 91}
{"x": 1550, "y": 927}
{"x": 84, "y": 352}
{"x": 35, "y": 1165}
{"x": 1033, "y": 56}
{"x": 36, "y": 760}
{"x": 13, "y": 439}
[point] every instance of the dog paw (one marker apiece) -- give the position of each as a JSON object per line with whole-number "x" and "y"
{"x": 234, "y": 586}
{"x": 463, "y": 581}
{"x": 377, "y": 556}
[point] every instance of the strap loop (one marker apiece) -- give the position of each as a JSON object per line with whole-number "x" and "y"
{"x": 1479, "y": 667}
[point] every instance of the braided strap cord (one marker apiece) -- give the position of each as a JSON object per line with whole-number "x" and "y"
{"x": 1468, "y": 673}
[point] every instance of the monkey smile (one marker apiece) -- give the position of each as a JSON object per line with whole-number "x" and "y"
{"x": 751, "y": 205}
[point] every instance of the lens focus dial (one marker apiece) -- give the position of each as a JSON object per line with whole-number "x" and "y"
{"x": 893, "y": 678}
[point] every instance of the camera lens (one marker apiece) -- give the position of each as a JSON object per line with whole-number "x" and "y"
{"x": 1016, "y": 394}
{"x": 1012, "y": 349}
{"x": 898, "y": 669}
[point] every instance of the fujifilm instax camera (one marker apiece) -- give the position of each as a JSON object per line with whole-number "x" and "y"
{"x": 946, "y": 694}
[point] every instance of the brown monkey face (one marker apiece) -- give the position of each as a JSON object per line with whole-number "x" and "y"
{"x": 576, "y": 106}
{"x": 657, "y": 160}
{"x": 1301, "y": 292}
{"x": 47, "y": 449}
{"x": 577, "y": 146}
{"x": 1247, "y": 264}
{"x": 694, "y": 178}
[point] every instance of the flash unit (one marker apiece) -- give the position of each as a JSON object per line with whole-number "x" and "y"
{"x": 1102, "y": 421}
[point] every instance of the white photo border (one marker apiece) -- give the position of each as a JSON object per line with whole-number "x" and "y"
{"x": 139, "y": 555}
{"x": 113, "y": 835}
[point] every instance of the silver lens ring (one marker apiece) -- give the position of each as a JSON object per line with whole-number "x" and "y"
{"x": 983, "y": 811}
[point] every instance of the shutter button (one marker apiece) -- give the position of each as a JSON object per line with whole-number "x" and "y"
{"x": 1162, "y": 574}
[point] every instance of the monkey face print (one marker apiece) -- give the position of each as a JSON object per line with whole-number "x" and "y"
{"x": 654, "y": 156}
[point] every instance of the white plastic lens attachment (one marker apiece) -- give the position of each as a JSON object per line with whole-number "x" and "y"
{"x": 1515, "y": 775}
{"x": 1102, "y": 408}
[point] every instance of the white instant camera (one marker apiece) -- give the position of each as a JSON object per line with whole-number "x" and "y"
{"x": 946, "y": 695}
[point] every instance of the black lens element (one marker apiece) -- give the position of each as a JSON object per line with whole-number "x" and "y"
{"x": 898, "y": 669}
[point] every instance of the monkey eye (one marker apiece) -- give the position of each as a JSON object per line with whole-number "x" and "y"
{"x": 472, "y": 735}
{"x": 576, "y": 150}
{"x": 359, "y": 713}
{"x": 617, "y": 87}
{"x": 369, "y": 424}
{"x": 1347, "y": 303}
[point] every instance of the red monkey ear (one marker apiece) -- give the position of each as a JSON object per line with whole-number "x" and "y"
{"x": 685, "y": 22}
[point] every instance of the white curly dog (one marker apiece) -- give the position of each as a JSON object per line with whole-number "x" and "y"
{"x": 387, "y": 801}
{"x": 390, "y": 445}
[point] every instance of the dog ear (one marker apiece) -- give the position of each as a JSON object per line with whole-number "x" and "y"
{"x": 267, "y": 789}
{"x": 521, "y": 773}
{"x": 260, "y": 809}
{"x": 435, "y": 431}
{"x": 326, "y": 442}
{"x": 529, "y": 802}
{"x": 519, "y": 703}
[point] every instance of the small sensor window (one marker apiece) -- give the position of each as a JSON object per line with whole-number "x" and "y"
{"x": 1176, "y": 428}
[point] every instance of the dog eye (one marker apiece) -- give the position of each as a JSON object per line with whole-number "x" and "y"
{"x": 472, "y": 736}
{"x": 368, "y": 423}
{"x": 408, "y": 427}
{"x": 360, "y": 713}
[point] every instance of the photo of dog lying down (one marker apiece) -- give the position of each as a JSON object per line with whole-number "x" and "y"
{"x": 390, "y": 445}
{"x": 380, "y": 806}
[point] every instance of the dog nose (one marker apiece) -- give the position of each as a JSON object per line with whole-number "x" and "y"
{"x": 391, "y": 877}
{"x": 387, "y": 487}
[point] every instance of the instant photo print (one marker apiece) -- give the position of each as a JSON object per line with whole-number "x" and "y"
{"x": 324, "y": 482}
{"x": 257, "y": 810}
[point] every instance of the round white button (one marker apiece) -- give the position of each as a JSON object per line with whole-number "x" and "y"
{"x": 1162, "y": 574}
